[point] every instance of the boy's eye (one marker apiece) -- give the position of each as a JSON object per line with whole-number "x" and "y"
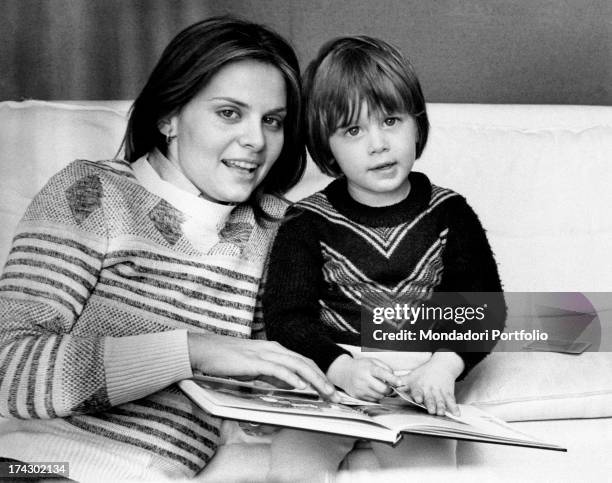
{"x": 391, "y": 121}
{"x": 229, "y": 114}
{"x": 352, "y": 131}
{"x": 273, "y": 122}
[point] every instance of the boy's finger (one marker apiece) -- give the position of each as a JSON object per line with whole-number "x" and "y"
{"x": 451, "y": 405}
{"x": 417, "y": 395}
{"x": 378, "y": 387}
{"x": 369, "y": 393}
{"x": 440, "y": 404}
{"x": 430, "y": 403}
{"x": 386, "y": 375}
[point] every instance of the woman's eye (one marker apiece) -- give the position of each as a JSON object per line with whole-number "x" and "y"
{"x": 273, "y": 122}
{"x": 391, "y": 121}
{"x": 229, "y": 114}
{"x": 352, "y": 131}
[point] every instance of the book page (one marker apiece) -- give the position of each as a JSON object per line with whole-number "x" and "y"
{"x": 472, "y": 424}
{"x": 224, "y": 392}
{"x": 287, "y": 411}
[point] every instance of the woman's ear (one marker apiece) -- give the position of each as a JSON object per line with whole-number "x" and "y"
{"x": 168, "y": 128}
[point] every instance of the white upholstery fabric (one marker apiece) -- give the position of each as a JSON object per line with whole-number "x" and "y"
{"x": 538, "y": 176}
{"x": 528, "y": 386}
{"x": 37, "y": 139}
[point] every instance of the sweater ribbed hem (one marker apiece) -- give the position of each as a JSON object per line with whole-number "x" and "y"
{"x": 138, "y": 365}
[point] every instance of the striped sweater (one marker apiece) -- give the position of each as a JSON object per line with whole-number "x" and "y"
{"x": 103, "y": 282}
{"x": 334, "y": 254}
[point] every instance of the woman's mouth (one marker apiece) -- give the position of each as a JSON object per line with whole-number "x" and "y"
{"x": 243, "y": 165}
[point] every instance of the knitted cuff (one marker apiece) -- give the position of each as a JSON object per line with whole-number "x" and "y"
{"x": 137, "y": 366}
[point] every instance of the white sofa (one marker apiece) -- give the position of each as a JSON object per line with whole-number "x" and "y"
{"x": 539, "y": 177}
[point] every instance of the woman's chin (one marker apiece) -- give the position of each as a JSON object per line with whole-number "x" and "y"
{"x": 229, "y": 198}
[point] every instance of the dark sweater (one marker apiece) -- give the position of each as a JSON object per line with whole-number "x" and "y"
{"x": 331, "y": 250}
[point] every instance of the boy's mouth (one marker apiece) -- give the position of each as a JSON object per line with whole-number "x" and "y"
{"x": 383, "y": 166}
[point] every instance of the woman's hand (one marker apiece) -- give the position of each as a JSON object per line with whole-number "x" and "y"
{"x": 433, "y": 383}
{"x": 220, "y": 355}
{"x": 363, "y": 378}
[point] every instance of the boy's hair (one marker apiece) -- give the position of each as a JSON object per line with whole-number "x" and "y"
{"x": 348, "y": 71}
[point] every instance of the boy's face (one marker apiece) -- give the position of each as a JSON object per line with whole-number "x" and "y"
{"x": 376, "y": 155}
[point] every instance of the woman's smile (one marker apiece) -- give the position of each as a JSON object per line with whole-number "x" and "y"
{"x": 242, "y": 165}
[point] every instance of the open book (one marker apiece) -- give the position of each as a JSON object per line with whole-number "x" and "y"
{"x": 259, "y": 402}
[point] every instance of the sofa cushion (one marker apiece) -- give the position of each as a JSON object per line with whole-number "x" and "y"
{"x": 535, "y": 193}
{"x": 40, "y": 138}
{"x": 528, "y": 386}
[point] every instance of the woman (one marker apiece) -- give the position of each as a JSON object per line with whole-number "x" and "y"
{"x": 126, "y": 277}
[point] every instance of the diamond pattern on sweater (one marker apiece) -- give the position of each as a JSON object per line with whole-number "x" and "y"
{"x": 237, "y": 233}
{"x": 167, "y": 220}
{"x": 84, "y": 197}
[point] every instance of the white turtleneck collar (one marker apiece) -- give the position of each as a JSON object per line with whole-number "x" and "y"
{"x": 159, "y": 176}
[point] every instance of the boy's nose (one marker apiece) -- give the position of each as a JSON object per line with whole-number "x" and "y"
{"x": 252, "y": 136}
{"x": 377, "y": 141}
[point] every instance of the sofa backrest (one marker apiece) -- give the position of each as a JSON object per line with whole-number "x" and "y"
{"x": 538, "y": 176}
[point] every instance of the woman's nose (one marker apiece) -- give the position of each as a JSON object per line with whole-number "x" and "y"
{"x": 378, "y": 142}
{"x": 252, "y": 136}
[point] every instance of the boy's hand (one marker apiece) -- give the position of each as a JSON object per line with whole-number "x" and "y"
{"x": 433, "y": 383}
{"x": 366, "y": 379}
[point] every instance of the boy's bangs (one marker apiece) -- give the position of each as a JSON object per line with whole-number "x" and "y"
{"x": 383, "y": 93}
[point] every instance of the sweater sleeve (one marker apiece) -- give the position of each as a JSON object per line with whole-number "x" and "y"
{"x": 49, "y": 366}
{"x": 470, "y": 267}
{"x": 291, "y": 295}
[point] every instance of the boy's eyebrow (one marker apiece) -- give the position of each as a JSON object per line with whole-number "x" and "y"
{"x": 244, "y": 105}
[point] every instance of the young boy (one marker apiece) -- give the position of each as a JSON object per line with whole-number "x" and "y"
{"x": 379, "y": 227}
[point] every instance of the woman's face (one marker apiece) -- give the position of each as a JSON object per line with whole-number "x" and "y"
{"x": 231, "y": 133}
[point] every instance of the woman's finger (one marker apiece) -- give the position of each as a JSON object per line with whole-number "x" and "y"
{"x": 274, "y": 370}
{"x": 303, "y": 373}
{"x": 280, "y": 349}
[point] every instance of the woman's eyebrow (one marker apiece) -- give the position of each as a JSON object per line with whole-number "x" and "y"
{"x": 244, "y": 105}
{"x": 229, "y": 99}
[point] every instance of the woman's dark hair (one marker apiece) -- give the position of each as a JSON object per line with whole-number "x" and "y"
{"x": 348, "y": 71}
{"x": 186, "y": 66}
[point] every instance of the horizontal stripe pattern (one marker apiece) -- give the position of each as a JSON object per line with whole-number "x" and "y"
{"x": 63, "y": 278}
{"x": 26, "y": 380}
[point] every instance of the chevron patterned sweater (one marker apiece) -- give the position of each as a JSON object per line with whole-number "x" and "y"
{"x": 104, "y": 280}
{"x": 332, "y": 250}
